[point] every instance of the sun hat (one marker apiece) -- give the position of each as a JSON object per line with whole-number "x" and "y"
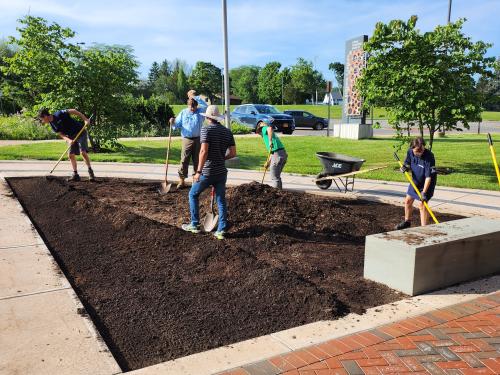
{"x": 213, "y": 113}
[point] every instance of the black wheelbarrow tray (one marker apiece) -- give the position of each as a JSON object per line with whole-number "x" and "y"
{"x": 340, "y": 169}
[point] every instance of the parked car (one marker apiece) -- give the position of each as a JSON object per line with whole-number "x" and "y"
{"x": 303, "y": 118}
{"x": 251, "y": 114}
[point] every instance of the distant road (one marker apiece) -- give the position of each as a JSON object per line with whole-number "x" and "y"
{"x": 386, "y": 130}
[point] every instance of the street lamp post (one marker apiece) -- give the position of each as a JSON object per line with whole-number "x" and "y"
{"x": 226, "y": 66}
{"x": 449, "y": 11}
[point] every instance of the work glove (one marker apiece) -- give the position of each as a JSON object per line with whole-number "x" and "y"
{"x": 425, "y": 198}
{"x": 404, "y": 168}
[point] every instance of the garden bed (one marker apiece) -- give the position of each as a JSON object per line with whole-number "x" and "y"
{"x": 157, "y": 293}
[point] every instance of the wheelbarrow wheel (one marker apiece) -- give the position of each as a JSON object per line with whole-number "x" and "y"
{"x": 325, "y": 184}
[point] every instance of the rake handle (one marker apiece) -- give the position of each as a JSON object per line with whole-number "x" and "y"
{"x": 494, "y": 157}
{"x": 265, "y": 165}
{"x": 408, "y": 177}
{"x": 168, "y": 150}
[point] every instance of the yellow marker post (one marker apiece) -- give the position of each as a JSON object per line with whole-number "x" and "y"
{"x": 494, "y": 157}
{"x": 416, "y": 189}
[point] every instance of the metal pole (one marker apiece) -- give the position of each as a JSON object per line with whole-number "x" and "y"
{"x": 282, "y": 89}
{"x": 449, "y": 11}
{"x": 222, "y": 87}
{"x": 226, "y": 66}
{"x": 328, "y": 124}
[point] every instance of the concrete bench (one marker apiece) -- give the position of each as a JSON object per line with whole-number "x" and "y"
{"x": 422, "y": 259}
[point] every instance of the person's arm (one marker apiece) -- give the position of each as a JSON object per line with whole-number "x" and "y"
{"x": 202, "y": 158}
{"x": 430, "y": 170}
{"x": 79, "y": 114}
{"x": 270, "y": 133}
{"x": 232, "y": 153}
{"x": 177, "y": 121}
{"x": 65, "y": 137}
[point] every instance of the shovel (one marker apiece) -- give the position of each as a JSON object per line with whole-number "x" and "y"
{"x": 210, "y": 220}
{"x": 165, "y": 185}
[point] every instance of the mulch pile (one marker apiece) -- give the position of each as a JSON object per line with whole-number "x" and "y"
{"x": 157, "y": 293}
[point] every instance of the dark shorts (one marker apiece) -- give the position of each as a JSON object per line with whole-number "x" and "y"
{"x": 81, "y": 144}
{"x": 412, "y": 193}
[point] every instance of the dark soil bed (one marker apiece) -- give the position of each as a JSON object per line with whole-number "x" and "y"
{"x": 157, "y": 293}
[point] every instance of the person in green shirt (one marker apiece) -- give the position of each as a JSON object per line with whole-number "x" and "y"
{"x": 278, "y": 154}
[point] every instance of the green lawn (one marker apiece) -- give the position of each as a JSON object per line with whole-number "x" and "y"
{"x": 467, "y": 155}
{"x": 336, "y": 111}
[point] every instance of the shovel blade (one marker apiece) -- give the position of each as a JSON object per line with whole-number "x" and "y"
{"x": 210, "y": 222}
{"x": 164, "y": 187}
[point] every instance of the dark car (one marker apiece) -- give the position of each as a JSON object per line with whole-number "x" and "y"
{"x": 306, "y": 119}
{"x": 251, "y": 114}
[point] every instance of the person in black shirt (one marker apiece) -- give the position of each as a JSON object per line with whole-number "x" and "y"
{"x": 422, "y": 165}
{"x": 68, "y": 128}
{"x": 217, "y": 145}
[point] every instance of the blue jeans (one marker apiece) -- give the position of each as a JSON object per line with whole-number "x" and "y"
{"x": 219, "y": 183}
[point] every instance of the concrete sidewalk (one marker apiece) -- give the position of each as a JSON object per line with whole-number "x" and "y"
{"x": 466, "y": 202}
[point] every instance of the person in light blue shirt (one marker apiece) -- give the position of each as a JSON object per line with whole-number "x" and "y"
{"x": 189, "y": 121}
{"x": 202, "y": 104}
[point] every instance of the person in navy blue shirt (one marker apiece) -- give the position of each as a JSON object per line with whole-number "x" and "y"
{"x": 422, "y": 165}
{"x": 68, "y": 128}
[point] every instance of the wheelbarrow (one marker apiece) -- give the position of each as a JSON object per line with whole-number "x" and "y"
{"x": 339, "y": 169}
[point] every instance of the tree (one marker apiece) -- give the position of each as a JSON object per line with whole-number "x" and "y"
{"x": 206, "y": 79}
{"x": 305, "y": 80}
{"x": 489, "y": 88}
{"x": 338, "y": 70}
{"x": 424, "y": 79}
{"x": 8, "y": 102}
{"x": 244, "y": 82}
{"x": 269, "y": 83}
{"x": 154, "y": 73}
{"x": 56, "y": 73}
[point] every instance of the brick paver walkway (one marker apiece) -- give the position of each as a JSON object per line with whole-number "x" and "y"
{"x": 461, "y": 339}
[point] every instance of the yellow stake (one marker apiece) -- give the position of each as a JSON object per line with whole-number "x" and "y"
{"x": 416, "y": 189}
{"x": 494, "y": 157}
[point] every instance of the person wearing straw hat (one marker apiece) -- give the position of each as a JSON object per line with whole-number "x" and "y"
{"x": 216, "y": 140}
{"x": 276, "y": 149}
{"x": 189, "y": 120}
{"x": 422, "y": 164}
{"x": 68, "y": 128}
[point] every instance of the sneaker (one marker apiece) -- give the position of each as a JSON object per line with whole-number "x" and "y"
{"x": 91, "y": 174}
{"x": 219, "y": 235}
{"x": 191, "y": 228}
{"x": 403, "y": 225}
{"x": 75, "y": 177}
{"x": 181, "y": 184}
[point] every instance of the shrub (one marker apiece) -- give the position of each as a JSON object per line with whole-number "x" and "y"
{"x": 21, "y": 127}
{"x": 240, "y": 129}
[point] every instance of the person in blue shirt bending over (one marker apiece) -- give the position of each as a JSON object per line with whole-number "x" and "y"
{"x": 422, "y": 165}
{"x": 189, "y": 121}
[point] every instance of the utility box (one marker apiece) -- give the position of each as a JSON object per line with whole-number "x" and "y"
{"x": 422, "y": 259}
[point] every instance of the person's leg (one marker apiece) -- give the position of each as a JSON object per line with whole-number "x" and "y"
{"x": 196, "y": 153}
{"x": 283, "y": 156}
{"x": 408, "y": 207}
{"x": 74, "y": 165}
{"x": 194, "y": 203}
{"x": 185, "y": 155}
{"x": 220, "y": 195}
{"x": 424, "y": 215}
{"x": 274, "y": 170}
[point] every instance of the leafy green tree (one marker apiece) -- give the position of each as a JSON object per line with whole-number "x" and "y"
{"x": 489, "y": 88}
{"x": 56, "y": 73}
{"x": 338, "y": 70}
{"x": 206, "y": 79}
{"x": 424, "y": 79}
{"x": 154, "y": 73}
{"x": 269, "y": 83}
{"x": 244, "y": 82}
{"x": 9, "y": 84}
{"x": 44, "y": 59}
{"x": 305, "y": 80}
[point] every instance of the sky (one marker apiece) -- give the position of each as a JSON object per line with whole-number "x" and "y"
{"x": 259, "y": 30}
